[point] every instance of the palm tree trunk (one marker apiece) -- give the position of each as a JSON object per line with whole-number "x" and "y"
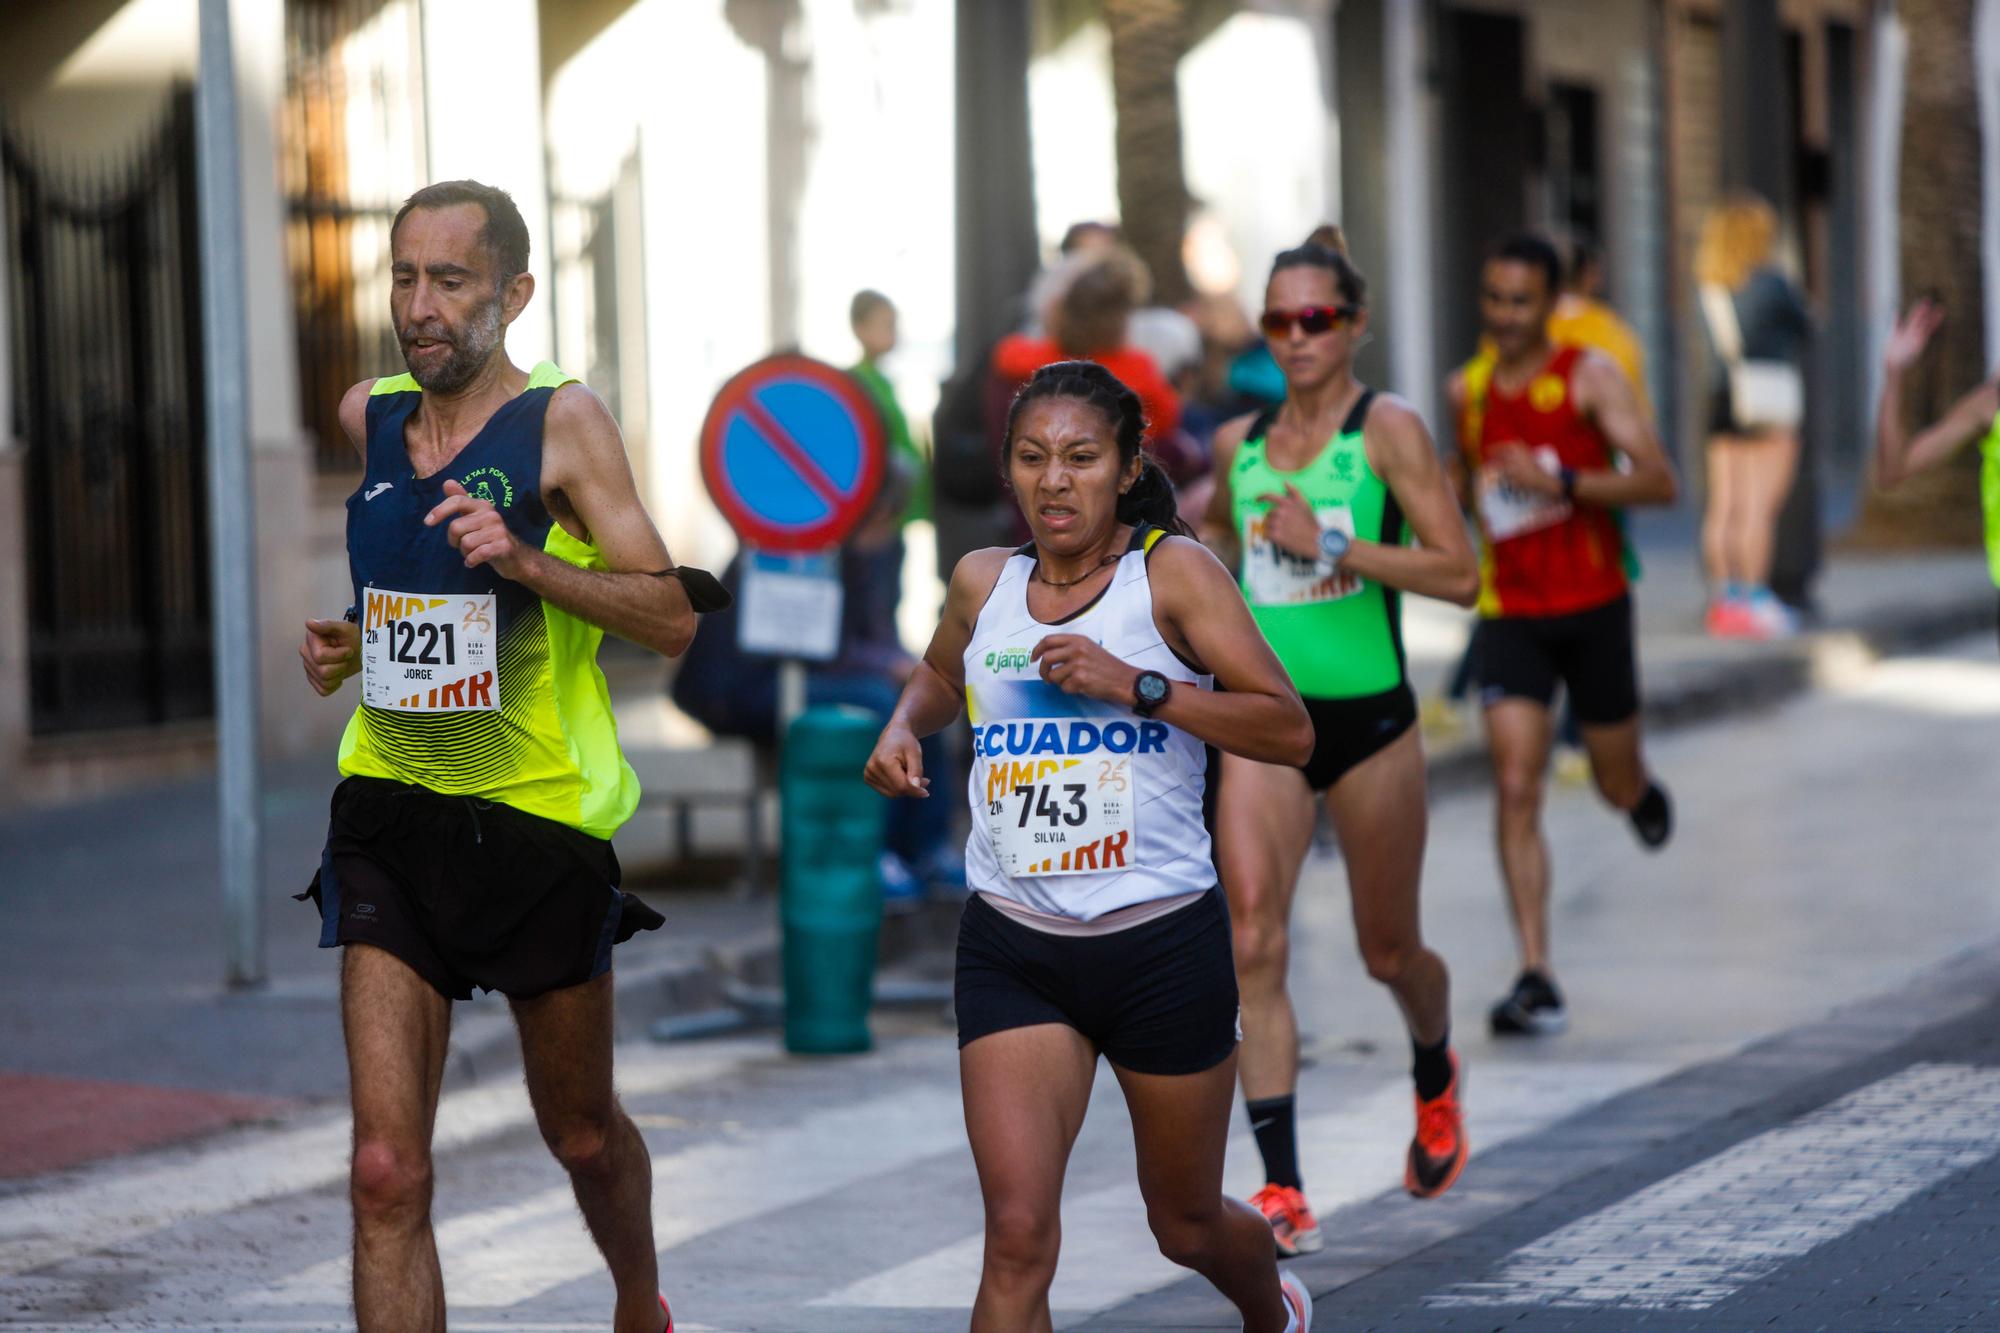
{"x": 1148, "y": 38}
{"x": 1938, "y": 210}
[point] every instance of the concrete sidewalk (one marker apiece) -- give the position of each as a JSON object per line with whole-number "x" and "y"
{"x": 110, "y": 938}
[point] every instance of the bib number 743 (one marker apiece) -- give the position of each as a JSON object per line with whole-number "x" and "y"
{"x": 1068, "y": 816}
{"x": 1041, "y": 802}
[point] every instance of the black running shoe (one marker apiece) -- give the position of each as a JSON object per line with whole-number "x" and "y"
{"x": 1653, "y": 818}
{"x": 1534, "y": 1008}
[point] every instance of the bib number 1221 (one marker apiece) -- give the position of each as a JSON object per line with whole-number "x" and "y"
{"x": 418, "y": 642}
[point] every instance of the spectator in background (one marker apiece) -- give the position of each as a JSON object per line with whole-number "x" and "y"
{"x": 873, "y": 319}
{"x": 1757, "y": 323}
{"x": 734, "y": 693}
{"x": 1089, "y": 319}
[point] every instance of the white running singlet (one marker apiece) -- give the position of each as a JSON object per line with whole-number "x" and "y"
{"x": 1079, "y": 807}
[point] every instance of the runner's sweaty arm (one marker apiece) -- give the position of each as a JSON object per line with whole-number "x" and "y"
{"x": 1441, "y": 564}
{"x": 332, "y": 648}
{"x": 1218, "y": 524}
{"x": 588, "y": 488}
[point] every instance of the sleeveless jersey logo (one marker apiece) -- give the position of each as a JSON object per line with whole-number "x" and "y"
{"x": 1343, "y": 464}
{"x": 1008, "y": 659}
{"x": 491, "y": 485}
{"x": 1546, "y": 394}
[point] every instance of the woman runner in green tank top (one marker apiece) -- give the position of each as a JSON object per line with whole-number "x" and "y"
{"x": 1975, "y": 416}
{"x": 1315, "y": 503}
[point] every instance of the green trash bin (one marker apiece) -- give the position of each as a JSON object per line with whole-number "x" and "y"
{"x": 830, "y": 889}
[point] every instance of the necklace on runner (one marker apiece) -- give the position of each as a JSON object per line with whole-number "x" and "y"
{"x": 1048, "y": 582}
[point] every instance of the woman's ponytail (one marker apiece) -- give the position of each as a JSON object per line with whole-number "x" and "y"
{"x": 1151, "y": 501}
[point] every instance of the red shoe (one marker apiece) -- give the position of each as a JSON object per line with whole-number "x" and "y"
{"x": 1437, "y": 1153}
{"x": 1731, "y": 619}
{"x": 1293, "y": 1226}
{"x": 669, "y": 1314}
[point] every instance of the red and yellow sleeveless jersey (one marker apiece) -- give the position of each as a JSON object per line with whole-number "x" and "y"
{"x": 1542, "y": 556}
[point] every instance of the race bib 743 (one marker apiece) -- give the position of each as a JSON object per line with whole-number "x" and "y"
{"x": 1061, "y": 793}
{"x": 429, "y": 652}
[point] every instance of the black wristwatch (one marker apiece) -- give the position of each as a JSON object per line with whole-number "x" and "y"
{"x": 1568, "y": 476}
{"x": 1149, "y": 691}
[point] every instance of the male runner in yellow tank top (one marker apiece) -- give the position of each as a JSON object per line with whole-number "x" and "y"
{"x": 495, "y": 535}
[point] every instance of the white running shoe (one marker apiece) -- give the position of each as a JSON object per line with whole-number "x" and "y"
{"x": 1298, "y": 1302}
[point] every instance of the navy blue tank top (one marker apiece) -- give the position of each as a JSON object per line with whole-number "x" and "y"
{"x": 472, "y": 684}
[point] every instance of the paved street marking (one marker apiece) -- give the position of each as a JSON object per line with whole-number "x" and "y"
{"x": 1355, "y": 1153}
{"x": 501, "y": 1256}
{"x": 111, "y": 1203}
{"x": 1691, "y": 1240}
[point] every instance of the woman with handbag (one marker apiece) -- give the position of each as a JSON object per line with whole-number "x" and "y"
{"x": 1757, "y": 323}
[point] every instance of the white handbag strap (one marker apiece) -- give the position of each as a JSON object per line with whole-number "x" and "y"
{"x": 1720, "y": 308}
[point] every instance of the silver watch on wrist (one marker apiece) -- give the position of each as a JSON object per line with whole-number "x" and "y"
{"x": 1334, "y": 545}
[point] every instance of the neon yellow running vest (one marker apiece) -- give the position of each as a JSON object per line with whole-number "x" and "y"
{"x": 471, "y": 684}
{"x": 1339, "y": 636}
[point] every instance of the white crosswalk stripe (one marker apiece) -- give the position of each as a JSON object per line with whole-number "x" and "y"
{"x": 502, "y": 1262}
{"x": 1348, "y": 1155}
{"x": 512, "y": 1254}
{"x": 1693, "y": 1239}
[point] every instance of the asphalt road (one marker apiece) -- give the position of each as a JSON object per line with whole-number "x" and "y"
{"x": 1779, "y": 1104}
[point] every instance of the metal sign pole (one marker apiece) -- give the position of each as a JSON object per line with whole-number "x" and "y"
{"x": 231, "y": 513}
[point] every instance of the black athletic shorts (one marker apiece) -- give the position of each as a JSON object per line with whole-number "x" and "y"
{"x": 1158, "y": 998}
{"x": 470, "y": 892}
{"x": 1590, "y": 652}
{"x": 1347, "y": 731}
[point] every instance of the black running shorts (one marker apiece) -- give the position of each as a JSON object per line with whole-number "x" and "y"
{"x": 1158, "y": 998}
{"x": 470, "y": 892}
{"x": 1590, "y": 652}
{"x": 1348, "y": 731}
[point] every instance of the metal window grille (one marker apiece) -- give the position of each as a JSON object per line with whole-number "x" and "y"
{"x": 107, "y": 380}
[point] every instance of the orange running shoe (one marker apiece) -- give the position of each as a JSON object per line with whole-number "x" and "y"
{"x": 1293, "y": 1225}
{"x": 1437, "y": 1153}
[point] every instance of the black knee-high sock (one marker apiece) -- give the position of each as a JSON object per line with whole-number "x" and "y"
{"x": 1430, "y": 1066}
{"x": 1274, "y": 1120}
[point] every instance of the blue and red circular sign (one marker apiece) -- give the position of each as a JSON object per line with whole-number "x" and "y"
{"x": 793, "y": 452}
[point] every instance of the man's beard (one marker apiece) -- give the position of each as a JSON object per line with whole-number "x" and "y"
{"x": 471, "y": 348}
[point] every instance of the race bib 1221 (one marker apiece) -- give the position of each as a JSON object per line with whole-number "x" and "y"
{"x": 429, "y": 652}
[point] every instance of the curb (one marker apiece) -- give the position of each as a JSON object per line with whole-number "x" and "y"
{"x": 484, "y": 1048}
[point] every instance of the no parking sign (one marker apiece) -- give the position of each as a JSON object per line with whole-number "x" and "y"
{"x": 793, "y": 453}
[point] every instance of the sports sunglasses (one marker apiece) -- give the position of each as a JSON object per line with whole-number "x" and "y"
{"x": 1311, "y": 319}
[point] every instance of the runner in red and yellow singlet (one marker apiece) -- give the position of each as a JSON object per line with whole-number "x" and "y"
{"x": 1552, "y": 443}
{"x": 1545, "y": 555}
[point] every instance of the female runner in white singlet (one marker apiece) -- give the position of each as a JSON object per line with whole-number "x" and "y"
{"x": 1086, "y": 659}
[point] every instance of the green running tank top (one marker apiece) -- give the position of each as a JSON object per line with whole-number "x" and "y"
{"x": 1339, "y": 636}
{"x": 1989, "y": 496}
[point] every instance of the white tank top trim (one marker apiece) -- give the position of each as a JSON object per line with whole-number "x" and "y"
{"x": 1079, "y": 807}
{"x": 1125, "y": 918}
